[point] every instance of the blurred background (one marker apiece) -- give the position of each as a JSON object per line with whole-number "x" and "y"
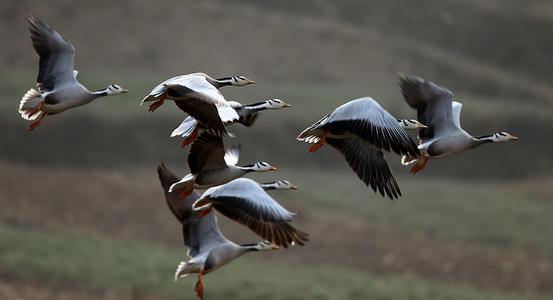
{"x": 83, "y": 215}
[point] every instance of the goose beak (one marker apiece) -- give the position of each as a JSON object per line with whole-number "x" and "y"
{"x": 272, "y": 168}
{"x": 249, "y": 81}
{"x": 513, "y": 138}
{"x": 295, "y": 188}
{"x": 274, "y": 247}
{"x": 285, "y": 104}
{"x": 422, "y": 125}
{"x": 124, "y": 91}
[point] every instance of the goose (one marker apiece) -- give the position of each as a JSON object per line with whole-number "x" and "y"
{"x": 246, "y": 202}
{"x": 197, "y": 94}
{"x": 360, "y": 129}
{"x": 211, "y": 166}
{"x": 190, "y": 127}
{"x": 208, "y": 248}
{"x": 444, "y": 135}
{"x": 57, "y": 86}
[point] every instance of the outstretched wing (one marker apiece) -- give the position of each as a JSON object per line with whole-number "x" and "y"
{"x": 199, "y": 234}
{"x": 369, "y": 164}
{"x": 369, "y": 121}
{"x": 433, "y": 104}
{"x": 245, "y": 202}
{"x": 56, "y": 55}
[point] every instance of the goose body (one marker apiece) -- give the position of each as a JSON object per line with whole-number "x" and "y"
{"x": 210, "y": 165}
{"x": 197, "y": 94}
{"x": 443, "y": 135}
{"x": 208, "y": 248}
{"x": 361, "y": 129}
{"x": 190, "y": 128}
{"x": 58, "y": 88}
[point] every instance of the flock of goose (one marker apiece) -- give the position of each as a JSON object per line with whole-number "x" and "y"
{"x": 360, "y": 129}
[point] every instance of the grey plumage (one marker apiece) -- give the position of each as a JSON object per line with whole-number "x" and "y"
{"x": 210, "y": 165}
{"x": 245, "y": 201}
{"x": 58, "y": 88}
{"x": 444, "y": 135}
{"x": 207, "y": 246}
{"x": 360, "y": 129}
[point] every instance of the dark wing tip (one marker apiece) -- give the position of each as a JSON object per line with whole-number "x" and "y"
{"x": 166, "y": 177}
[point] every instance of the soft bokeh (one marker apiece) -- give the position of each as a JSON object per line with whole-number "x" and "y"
{"x": 82, "y": 212}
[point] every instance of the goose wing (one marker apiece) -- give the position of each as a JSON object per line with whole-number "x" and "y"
{"x": 369, "y": 164}
{"x": 201, "y": 100}
{"x": 200, "y": 234}
{"x": 207, "y": 153}
{"x": 56, "y": 55}
{"x": 245, "y": 202}
{"x": 433, "y": 104}
{"x": 181, "y": 207}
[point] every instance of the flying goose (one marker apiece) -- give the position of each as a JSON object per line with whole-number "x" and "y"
{"x": 58, "y": 88}
{"x": 444, "y": 135}
{"x": 208, "y": 248}
{"x": 190, "y": 127}
{"x": 246, "y": 202}
{"x": 197, "y": 94}
{"x": 360, "y": 129}
{"x": 211, "y": 166}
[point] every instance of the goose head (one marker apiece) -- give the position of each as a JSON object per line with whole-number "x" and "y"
{"x": 280, "y": 185}
{"x": 502, "y": 137}
{"x": 241, "y": 81}
{"x": 114, "y": 89}
{"x": 410, "y": 124}
{"x": 268, "y": 104}
{"x": 265, "y": 246}
{"x": 234, "y": 81}
{"x": 276, "y": 104}
{"x": 260, "y": 167}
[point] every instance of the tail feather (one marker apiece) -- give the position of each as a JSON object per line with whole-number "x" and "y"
{"x": 186, "y": 128}
{"x": 407, "y": 160}
{"x": 183, "y": 269}
{"x": 30, "y": 102}
{"x": 184, "y": 185}
{"x": 155, "y": 94}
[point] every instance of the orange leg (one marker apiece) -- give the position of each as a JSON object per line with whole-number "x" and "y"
{"x": 155, "y": 105}
{"x": 37, "y": 122}
{"x": 318, "y": 145}
{"x": 420, "y": 165}
{"x": 200, "y": 286}
{"x": 190, "y": 139}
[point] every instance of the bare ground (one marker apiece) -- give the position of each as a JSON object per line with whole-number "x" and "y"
{"x": 130, "y": 206}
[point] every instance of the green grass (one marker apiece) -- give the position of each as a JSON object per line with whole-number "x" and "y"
{"x": 97, "y": 263}
{"x": 483, "y": 213}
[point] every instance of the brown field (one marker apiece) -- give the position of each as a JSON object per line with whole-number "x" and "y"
{"x": 96, "y": 202}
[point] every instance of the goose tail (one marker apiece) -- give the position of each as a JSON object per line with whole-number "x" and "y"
{"x": 407, "y": 160}
{"x": 29, "y": 105}
{"x": 183, "y": 186}
{"x": 183, "y": 269}
{"x": 186, "y": 128}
